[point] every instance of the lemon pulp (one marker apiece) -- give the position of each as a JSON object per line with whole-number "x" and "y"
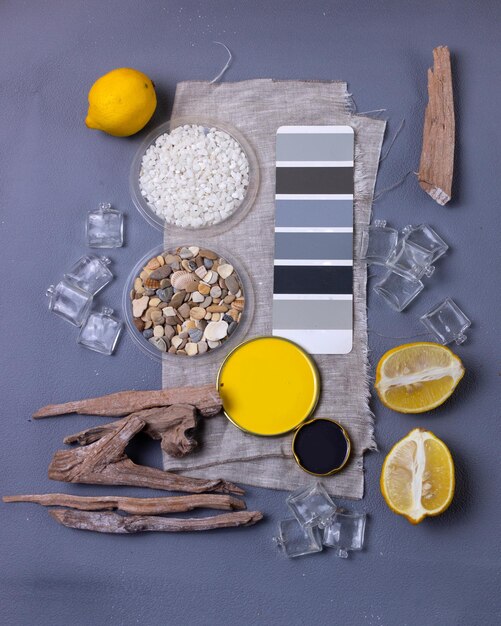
{"x": 268, "y": 386}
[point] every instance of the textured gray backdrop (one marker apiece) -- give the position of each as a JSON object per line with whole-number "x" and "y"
{"x": 52, "y": 169}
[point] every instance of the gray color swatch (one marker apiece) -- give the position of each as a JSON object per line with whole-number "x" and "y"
{"x": 315, "y": 213}
{"x": 313, "y": 314}
{"x": 314, "y": 147}
{"x": 328, "y": 246}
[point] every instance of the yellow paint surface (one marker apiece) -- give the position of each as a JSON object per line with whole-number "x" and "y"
{"x": 268, "y": 386}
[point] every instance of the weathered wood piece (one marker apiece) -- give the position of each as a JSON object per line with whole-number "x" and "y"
{"x": 206, "y": 400}
{"x": 173, "y": 425}
{"x": 135, "y": 506}
{"x": 105, "y": 463}
{"x": 437, "y": 155}
{"x": 118, "y": 524}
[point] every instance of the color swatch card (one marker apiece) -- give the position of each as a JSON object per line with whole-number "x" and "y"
{"x": 313, "y": 285}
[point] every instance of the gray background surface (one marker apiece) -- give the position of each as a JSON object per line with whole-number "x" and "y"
{"x": 52, "y": 170}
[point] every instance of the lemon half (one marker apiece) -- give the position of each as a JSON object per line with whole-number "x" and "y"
{"x": 417, "y": 377}
{"x": 417, "y": 478}
{"x": 121, "y": 102}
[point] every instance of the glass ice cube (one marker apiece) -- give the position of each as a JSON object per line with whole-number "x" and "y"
{"x": 90, "y": 273}
{"x": 100, "y": 332}
{"x": 423, "y": 236}
{"x": 296, "y": 540}
{"x": 69, "y": 302}
{"x": 398, "y": 291}
{"x": 446, "y": 322}
{"x": 104, "y": 227}
{"x": 378, "y": 243}
{"x": 345, "y": 532}
{"x": 311, "y": 505}
{"x": 410, "y": 261}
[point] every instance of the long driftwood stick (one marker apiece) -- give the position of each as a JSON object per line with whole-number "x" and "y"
{"x": 173, "y": 425}
{"x": 437, "y": 155}
{"x": 118, "y": 524}
{"x": 105, "y": 463}
{"x": 205, "y": 399}
{"x": 135, "y": 506}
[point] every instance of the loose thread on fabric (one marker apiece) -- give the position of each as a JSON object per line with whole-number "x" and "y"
{"x": 392, "y": 187}
{"x": 397, "y": 132}
{"x": 374, "y": 332}
{"x": 226, "y": 66}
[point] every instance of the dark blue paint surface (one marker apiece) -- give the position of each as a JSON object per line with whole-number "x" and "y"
{"x": 444, "y": 572}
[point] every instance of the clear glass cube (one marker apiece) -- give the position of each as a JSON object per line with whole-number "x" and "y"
{"x": 100, "y": 332}
{"x": 446, "y": 322}
{"x": 69, "y": 302}
{"x": 410, "y": 261}
{"x": 423, "y": 236}
{"x": 398, "y": 291}
{"x": 312, "y": 506}
{"x": 378, "y": 243}
{"x": 90, "y": 273}
{"x": 345, "y": 532}
{"x": 296, "y": 540}
{"x": 104, "y": 227}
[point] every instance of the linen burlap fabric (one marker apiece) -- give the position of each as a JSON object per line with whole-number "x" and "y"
{"x": 257, "y": 108}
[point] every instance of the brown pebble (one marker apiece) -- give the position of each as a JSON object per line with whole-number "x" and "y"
{"x": 144, "y": 275}
{"x": 203, "y": 289}
{"x": 184, "y": 310}
{"x": 229, "y": 298}
{"x": 153, "y": 264}
{"x": 208, "y": 254}
{"x": 148, "y": 324}
{"x": 154, "y": 301}
{"x": 238, "y": 304}
{"x": 165, "y": 282}
{"x": 197, "y": 313}
{"x": 139, "y": 324}
{"x": 161, "y": 260}
{"x": 138, "y": 283}
{"x": 177, "y": 299}
{"x": 162, "y": 272}
{"x": 217, "y": 308}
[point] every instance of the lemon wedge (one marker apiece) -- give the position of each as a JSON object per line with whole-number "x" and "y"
{"x": 417, "y": 478}
{"x": 417, "y": 377}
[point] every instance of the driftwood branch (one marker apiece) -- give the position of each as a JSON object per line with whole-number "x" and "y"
{"x": 437, "y": 156}
{"x": 134, "y": 506}
{"x": 205, "y": 399}
{"x": 173, "y": 425}
{"x": 118, "y": 524}
{"x": 104, "y": 462}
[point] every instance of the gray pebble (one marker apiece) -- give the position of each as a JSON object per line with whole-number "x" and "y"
{"x": 165, "y": 294}
{"x": 232, "y": 284}
{"x": 148, "y": 333}
{"x": 161, "y": 272}
{"x": 159, "y": 343}
{"x": 149, "y": 292}
{"x": 232, "y": 327}
{"x": 169, "y": 332}
{"x": 202, "y": 347}
{"x": 184, "y": 310}
{"x": 208, "y": 263}
{"x": 186, "y": 253}
{"x": 195, "y": 335}
{"x": 228, "y": 318}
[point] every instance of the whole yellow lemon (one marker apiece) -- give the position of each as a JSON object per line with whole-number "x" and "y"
{"x": 121, "y": 102}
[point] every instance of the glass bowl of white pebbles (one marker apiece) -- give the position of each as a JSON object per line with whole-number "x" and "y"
{"x": 194, "y": 174}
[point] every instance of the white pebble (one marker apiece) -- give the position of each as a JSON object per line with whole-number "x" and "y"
{"x": 194, "y": 176}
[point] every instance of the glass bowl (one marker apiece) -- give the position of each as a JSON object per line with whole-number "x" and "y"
{"x": 210, "y": 356}
{"x": 158, "y": 222}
